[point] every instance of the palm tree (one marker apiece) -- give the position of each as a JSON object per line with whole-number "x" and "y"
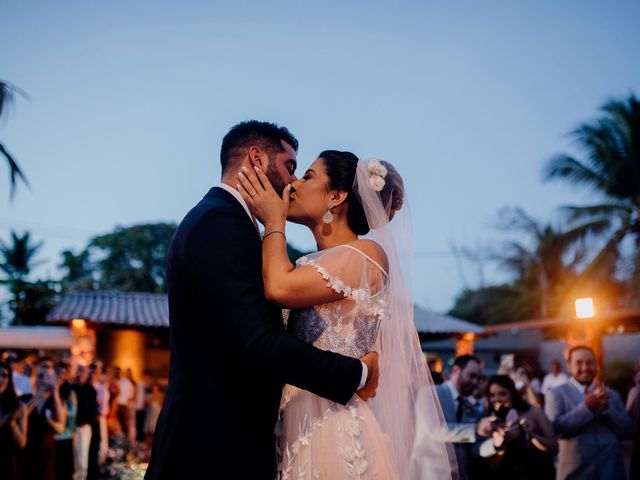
{"x": 7, "y": 93}
{"x": 549, "y": 259}
{"x": 17, "y": 258}
{"x": 30, "y": 301}
{"x": 610, "y": 166}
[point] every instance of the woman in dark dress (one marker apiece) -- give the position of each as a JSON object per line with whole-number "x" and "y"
{"x": 13, "y": 425}
{"x": 46, "y": 417}
{"x": 525, "y": 438}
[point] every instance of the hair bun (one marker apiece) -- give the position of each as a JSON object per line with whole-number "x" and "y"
{"x": 392, "y": 194}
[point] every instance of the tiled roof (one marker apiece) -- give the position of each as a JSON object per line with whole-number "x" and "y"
{"x": 152, "y": 310}
{"x": 113, "y": 308}
{"x": 428, "y": 322}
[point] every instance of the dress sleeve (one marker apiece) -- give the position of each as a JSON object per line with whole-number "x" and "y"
{"x": 351, "y": 273}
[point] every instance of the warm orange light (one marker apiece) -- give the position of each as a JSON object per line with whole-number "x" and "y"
{"x": 584, "y": 308}
{"x": 464, "y": 344}
{"x": 469, "y": 336}
{"x": 78, "y": 323}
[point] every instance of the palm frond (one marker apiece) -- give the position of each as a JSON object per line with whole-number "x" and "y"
{"x": 580, "y": 232}
{"x": 568, "y": 168}
{"x": 15, "y": 173}
{"x": 611, "y": 145}
{"x": 573, "y": 214}
{"x": 516, "y": 219}
{"x": 606, "y": 258}
{"x": 7, "y": 95}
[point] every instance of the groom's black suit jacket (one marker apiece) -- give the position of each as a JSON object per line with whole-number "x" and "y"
{"x": 230, "y": 354}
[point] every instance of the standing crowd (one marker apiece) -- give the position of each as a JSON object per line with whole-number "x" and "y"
{"x": 507, "y": 426}
{"x": 58, "y": 421}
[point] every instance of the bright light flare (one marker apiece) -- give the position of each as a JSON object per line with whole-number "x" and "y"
{"x": 585, "y": 308}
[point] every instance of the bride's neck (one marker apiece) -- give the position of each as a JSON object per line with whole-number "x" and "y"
{"x": 332, "y": 234}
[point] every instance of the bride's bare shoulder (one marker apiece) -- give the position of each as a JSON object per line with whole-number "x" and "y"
{"x": 373, "y": 250}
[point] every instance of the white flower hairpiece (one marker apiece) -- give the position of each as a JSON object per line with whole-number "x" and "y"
{"x": 377, "y": 173}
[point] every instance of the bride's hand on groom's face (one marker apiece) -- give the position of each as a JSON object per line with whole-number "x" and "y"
{"x": 373, "y": 375}
{"x": 264, "y": 201}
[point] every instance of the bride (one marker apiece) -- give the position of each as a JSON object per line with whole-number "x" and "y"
{"x": 350, "y": 297}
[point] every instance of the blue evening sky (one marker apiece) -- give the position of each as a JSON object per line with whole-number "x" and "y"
{"x": 129, "y": 101}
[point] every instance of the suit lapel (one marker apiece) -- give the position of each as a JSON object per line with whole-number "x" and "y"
{"x": 447, "y": 403}
{"x": 222, "y": 194}
{"x": 575, "y": 396}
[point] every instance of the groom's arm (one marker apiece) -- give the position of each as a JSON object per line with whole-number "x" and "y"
{"x": 223, "y": 256}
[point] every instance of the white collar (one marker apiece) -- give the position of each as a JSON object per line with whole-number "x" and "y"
{"x": 454, "y": 391}
{"x": 239, "y": 198}
{"x": 578, "y": 385}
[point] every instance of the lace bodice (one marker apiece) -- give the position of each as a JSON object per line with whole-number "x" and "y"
{"x": 348, "y": 326}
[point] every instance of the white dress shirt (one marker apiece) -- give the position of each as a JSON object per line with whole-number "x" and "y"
{"x": 238, "y": 197}
{"x": 591, "y": 387}
{"x": 551, "y": 381}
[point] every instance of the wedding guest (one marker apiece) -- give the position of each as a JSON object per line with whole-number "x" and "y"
{"x": 113, "y": 417}
{"x": 13, "y": 425}
{"x": 124, "y": 399}
{"x": 131, "y": 409}
{"x": 467, "y": 429}
{"x": 64, "y": 439}
{"x": 524, "y": 439}
{"x": 143, "y": 389}
{"x": 635, "y": 390}
{"x": 521, "y": 378}
{"x": 46, "y": 416}
{"x": 101, "y": 384}
{"x": 93, "y": 468}
{"x": 479, "y": 396}
{"x": 634, "y": 411}
{"x": 590, "y": 420}
{"x": 154, "y": 404}
{"x": 21, "y": 379}
{"x": 87, "y": 413}
{"x": 554, "y": 378}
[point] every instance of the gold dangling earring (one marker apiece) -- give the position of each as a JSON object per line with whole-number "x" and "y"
{"x": 328, "y": 217}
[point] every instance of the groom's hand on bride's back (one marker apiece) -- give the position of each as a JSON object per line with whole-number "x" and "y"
{"x": 373, "y": 375}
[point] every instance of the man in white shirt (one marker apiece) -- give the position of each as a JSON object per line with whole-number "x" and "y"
{"x": 125, "y": 396}
{"x": 554, "y": 378}
{"x": 102, "y": 399}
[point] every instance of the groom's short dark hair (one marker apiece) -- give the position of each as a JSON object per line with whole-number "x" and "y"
{"x": 267, "y": 136}
{"x": 462, "y": 361}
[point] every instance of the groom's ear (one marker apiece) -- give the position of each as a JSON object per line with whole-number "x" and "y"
{"x": 257, "y": 157}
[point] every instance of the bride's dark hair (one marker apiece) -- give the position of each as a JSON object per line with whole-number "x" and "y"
{"x": 341, "y": 170}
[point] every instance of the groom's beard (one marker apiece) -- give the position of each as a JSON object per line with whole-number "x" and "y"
{"x": 275, "y": 178}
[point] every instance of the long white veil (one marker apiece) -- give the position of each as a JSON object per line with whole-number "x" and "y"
{"x": 416, "y": 437}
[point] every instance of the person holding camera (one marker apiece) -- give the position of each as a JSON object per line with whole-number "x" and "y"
{"x": 523, "y": 437}
{"x": 46, "y": 416}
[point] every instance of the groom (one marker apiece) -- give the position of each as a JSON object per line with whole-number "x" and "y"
{"x": 230, "y": 354}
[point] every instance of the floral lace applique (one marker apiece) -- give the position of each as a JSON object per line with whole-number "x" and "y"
{"x": 373, "y": 303}
{"x": 351, "y": 448}
{"x": 288, "y": 466}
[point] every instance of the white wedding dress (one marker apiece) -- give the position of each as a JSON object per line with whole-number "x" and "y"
{"x": 318, "y": 438}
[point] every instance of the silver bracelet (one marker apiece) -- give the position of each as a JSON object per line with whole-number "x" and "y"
{"x": 266, "y": 234}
